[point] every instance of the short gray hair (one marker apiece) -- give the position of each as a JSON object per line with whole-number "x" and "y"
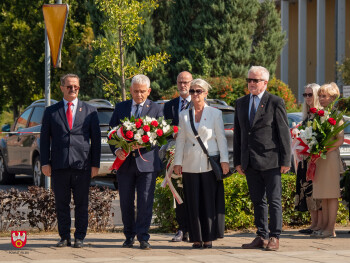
{"x": 69, "y": 75}
{"x": 141, "y": 79}
{"x": 265, "y": 75}
{"x": 201, "y": 83}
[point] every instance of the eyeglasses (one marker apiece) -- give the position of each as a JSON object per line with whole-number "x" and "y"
{"x": 72, "y": 87}
{"x": 197, "y": 91}
{"x": 184, "y": 82}
{"x": 254, "y": 80}
{"x": 307, "y": 95}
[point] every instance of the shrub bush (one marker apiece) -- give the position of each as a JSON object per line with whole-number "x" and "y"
{"x": 239, "y": 208}
{"x": 38, "y": 208}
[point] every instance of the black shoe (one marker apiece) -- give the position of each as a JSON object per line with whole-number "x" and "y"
{"x": 208, "y": 245}
{"x": 186, "y": 237}
{"x": 129, "y": 242}
{"x": 78, "y": 243}
{"x": 307, "y": 231}
{"x": 64, "y": 243}
{"x": 145, "y": 245}
{"x": 178, "y": 236}
{"x": 199, "y": 245}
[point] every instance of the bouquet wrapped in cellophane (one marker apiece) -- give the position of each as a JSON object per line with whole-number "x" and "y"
{"x": 141, "y": 132}
{"x": 317, "y": 137}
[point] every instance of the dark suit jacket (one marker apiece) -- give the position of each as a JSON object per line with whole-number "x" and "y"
{"x": 267, "y": 144}
{"x": 151, "y": 109}
{"x": 171, "y": 111}
{"x": 64, "y": 148}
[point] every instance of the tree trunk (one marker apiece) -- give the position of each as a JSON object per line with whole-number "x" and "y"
{"x": 15, "y": 111}
{"x": 122, "y": 71}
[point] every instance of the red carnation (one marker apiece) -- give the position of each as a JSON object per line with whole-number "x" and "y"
{"x": 140, "y": 120}
{"x": 145, "y": 138}
{"x": 159, "y": 132}
{"x": 154, "y": 123}
{"x": 175, "y": 129}
{"x": 146, "y": 128}
{"x": 320, "y": 113}
{"x": 332, "y": 121}
{"x": 138, "y": 124}
{"x": 313, "y": 110}
{"x": 129, "y": 134}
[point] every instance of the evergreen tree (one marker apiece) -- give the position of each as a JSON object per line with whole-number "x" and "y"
{"x": 268, "y": 39}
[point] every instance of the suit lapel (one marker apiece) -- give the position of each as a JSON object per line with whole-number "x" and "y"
{"x": 145, "y": 108}
{"x": 78, "y": 115}
{"x": 175, "y": 109}
{"x": 245, "y": 111}
{"x": 62, "y": 114}
{"x": 262, "y": 106}
{"x": 204, "y": 117}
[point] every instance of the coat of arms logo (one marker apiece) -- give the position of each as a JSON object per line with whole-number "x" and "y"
{"x": 19, "y": 238}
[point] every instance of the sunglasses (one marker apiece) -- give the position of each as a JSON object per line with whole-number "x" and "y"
{"x": 254, "y": 80}
{"x": 72, "y": 87}
{"x": 196, "y": 91}
{"x": 307, "y": 95}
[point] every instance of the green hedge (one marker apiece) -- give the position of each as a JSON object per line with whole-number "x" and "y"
{"x": 239, "y": 208}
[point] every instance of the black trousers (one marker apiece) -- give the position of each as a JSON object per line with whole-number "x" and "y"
{"x": 265, "y": 189}
{"x": 205, "y": 204}
{"x": 181, "y": 216}
{"x": 145, "y": 185}
{"x": 64, "y": 182}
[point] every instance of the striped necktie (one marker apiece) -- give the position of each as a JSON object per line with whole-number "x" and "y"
{"x": 252, "y": 112}
{"x": 183, "y": 104}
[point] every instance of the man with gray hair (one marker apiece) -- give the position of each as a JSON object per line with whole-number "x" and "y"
{"x": 135, "y": 172}
{"x": 262, "y": 151}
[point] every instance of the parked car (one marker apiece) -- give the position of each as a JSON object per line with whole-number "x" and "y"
{"x": 345, "y": 148}
{"x": 228, "y": 118}
{"x": 294, "y": 118}
{"x": 20, "y": 150}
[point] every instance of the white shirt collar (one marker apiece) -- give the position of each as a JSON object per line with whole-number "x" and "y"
{"x": 141, "y": 104}
{"x": 75, "y": 102}
{"x": 259, "y": 95}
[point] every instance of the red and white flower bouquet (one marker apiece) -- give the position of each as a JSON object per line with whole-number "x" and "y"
{"x": 144, "y": 132}
{"x": 317, "y": 137}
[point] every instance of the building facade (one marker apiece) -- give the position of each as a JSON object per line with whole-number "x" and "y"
{"x": 318, "y": 37}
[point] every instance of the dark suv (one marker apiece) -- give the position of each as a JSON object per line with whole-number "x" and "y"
{"x": 20, "y": 150}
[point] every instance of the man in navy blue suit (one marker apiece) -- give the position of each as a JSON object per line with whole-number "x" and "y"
{"x": 171, "y": 111}
{"x": 68, "y": 157}
{"x": 135, "y": 172}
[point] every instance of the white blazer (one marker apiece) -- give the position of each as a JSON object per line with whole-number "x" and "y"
{"x": 188, "y": 152}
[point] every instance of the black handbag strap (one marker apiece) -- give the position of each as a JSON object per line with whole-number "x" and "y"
{"x": 196, "y": 134}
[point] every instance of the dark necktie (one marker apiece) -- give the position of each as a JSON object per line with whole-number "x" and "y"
{"x": 69, "y": 115}
{"x": 137, "y": 113}
{"x": 183, "y": 104}
{"x": 252, "y": 112}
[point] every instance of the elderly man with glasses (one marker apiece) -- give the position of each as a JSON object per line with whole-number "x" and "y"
{"x": 262, "y": 151}
{"x": 70, "y": 147}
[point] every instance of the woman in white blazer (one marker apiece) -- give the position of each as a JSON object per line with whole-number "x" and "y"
{"x": 204, "y": 195}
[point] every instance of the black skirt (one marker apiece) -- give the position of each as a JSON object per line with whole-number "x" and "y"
{"x": 205, "y": 205}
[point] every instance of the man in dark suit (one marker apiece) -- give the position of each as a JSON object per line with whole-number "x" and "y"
{"x": 135, "y": 172}
{"x": 68, "y": 157}
{"x": 171, "y": 111}
{"x": 262, "y": 151}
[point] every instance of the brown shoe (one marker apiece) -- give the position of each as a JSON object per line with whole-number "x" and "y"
{"x": 258, "y": 242}
{"x": 273, "y": 244}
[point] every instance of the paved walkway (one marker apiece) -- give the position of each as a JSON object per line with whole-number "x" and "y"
{"x": 106, "y": 247}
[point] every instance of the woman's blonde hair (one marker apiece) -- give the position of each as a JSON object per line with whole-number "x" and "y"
{"x": 316, "y": 103}
{"x": 331, "y": 89}
{"x": 201, "y": 83}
